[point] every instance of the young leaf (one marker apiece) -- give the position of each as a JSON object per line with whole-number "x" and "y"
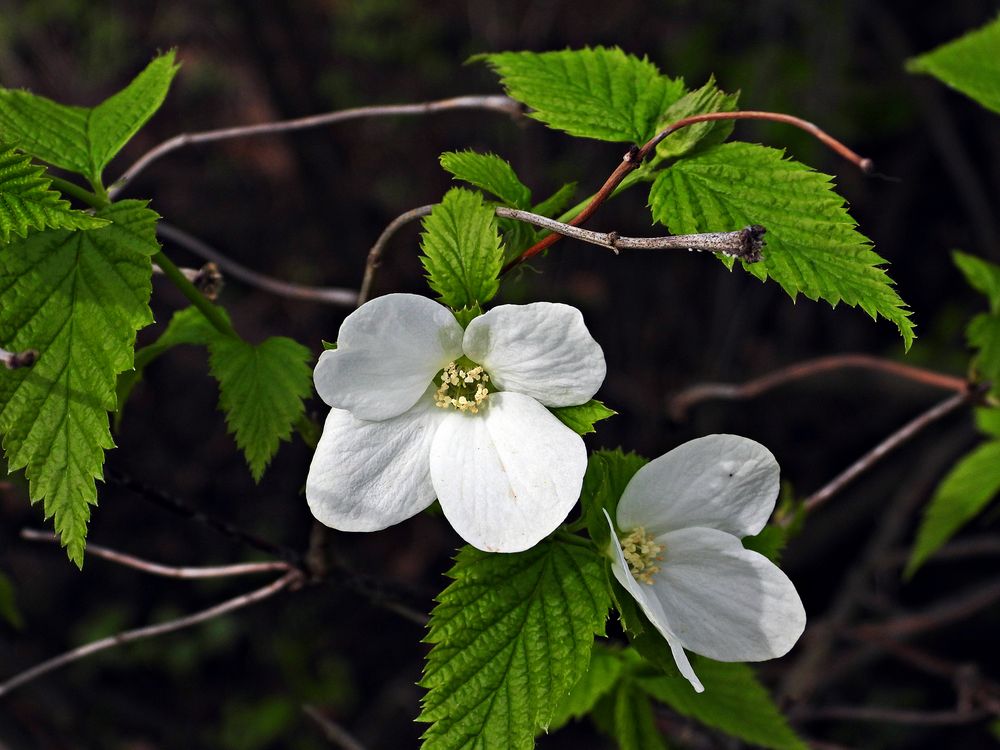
{"x": 733, "y": 701}
{"x": 512, "y": 635}
{"x": 597, "y": 93}
{"x": 707, "y": 99}
{"x": 581, "y": 418}
{"x": 813, "y": 247}
{"x": 962, "y": 494}
{"x": 602, "y": 674}
{"x": 462, "y": 251}
{"x": 81, "y": 139}
{"x": 982, "y": 276}
{"x": 26, "y": 202}
{"x": 490, "y": 173}
{"x": 983, "y": 334}
{"x": 970, "y": 64}
{"x": 608, "y": 473}
{"x": 988, "y": 421}
{"x": 770, "y": 542}
{"x": 78, "y": 298}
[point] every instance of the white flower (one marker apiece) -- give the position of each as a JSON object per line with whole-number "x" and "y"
{"x": 424, "y": 409}
{"x": 682, "y": 517}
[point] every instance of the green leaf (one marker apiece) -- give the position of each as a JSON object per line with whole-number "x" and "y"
{"x": 602, "y": 674}
{"x": 512, "y": 635}
{"x": 78, "y": 298}
{"x": 970, "y": 64}
{"x": 8, "y": 604}
{"x": 770, "y": 542}
{"x": 608, "y": 473}
{"x": 261, "y": 390}
{"x": 490, "y": 173}
{"x": 27, "y": 202}
{"x": 733, "y": 701}
{"x": 813, "y": 247}
{"x": 634, "y": 724}
{"x": 707, "y": 99}
{"x": 982, "y": 276}
{"x": 591, "y": 93}
{"x": 988, "y": 421}
{"x": 962, "y": 494}
{"x": 556, "y": 203}
{"x": 81, "y": 139}
{"x": 983, "y": 335}
{"x": 581, "y": 418}
{"x": 462, "y": 250}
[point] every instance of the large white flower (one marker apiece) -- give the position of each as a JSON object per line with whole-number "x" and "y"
{"x": 682, "y": 517}
{"x": 423, "y": 409}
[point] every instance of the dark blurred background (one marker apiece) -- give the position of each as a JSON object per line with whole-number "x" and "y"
{"x": 307, "y": 206}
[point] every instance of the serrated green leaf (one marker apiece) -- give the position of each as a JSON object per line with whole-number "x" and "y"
{"x": 982, "y": 276}
{"x": 81, "y": 139}
{"x": 462, "y": 253}
{"x": 602, "y": 674}
{"x": 813, "y": 247}
{"x": 971, "y": 484}
{"x": 9, "y": 611}
{"x": 490, "y": 173}
{"x": 988, "y": 421}
{"x": 261, "y": 390}
{"x": 78, "y": 298}
{"x": 556, "y": 203}
{"x": 733, "y": 701}
{"x": 607, "y": 475}
{"x": 512, "y": 635}
{"x": 581, "y": 418}
{"x": 970, "y": 64}
{"x": 709, "y": 98}
{"x": 983, "y": 334}
{"x": 770, "y": 542}
{"x": 27, "y": 202}
{"x": 595, "y": 92}
{"x": 634, "y": 724}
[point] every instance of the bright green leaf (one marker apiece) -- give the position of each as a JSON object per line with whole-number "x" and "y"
{"x": 490, "y": 173}
{"x": 813, "y": 246}
{"x": 462, "y": 251}
{"x": 770, "y": 542}
{"x": 962, "y": 494}
{"x": 592, "y": 93}
{"x": 970, "y": 64}
{"x": 82, "y": 139}
{"x": 27, "y": 202}
{"x": 733, "y": 701}
{"x": 988, "y": 421}
{"x": 597, "y": 681}
{"x": 512, "y": 635}
{"x": 581, "y": 418}
{"x": 78, "y": 298}
{"x": 707, "y": 99}
{"x": 982, "y": 276}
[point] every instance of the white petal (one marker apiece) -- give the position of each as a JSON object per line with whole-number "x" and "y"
{"x": 366, "y": 476}
{"x": 542, "y": 350}
{"x": 388, "y": 351}
{"x": 724, "y": 482}
{"x": 651, "y": 607}
{"x": 506, "y": 477}
{"x": 726, "y": 602}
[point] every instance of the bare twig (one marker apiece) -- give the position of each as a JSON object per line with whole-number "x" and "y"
{"x": 16, "y": 360}
{"x": 634, "y": 157}
{"x": 894, "y": 715}
{"x": 960, "y": 549}
{"x": 501, "y": 104}
{"x": 880, "y": 451}
{"x": 957, "y": 608}
{"x": 683, "y": 401}
{"x": 375, "y": 254}
{"x": 207, "y": 279}
{"x": 151, "y": 631}
{"x": 333, "y": 732}
{"x": 328, "y": 295}
{"x": 168, "y": 571}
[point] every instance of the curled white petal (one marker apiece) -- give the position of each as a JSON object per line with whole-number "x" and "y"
{"x": 542, "y": 350}
{"x": 724, "y": 482}
{"x": 388, "y": 351}
{"x": 652, "y": 608}
{"x": 366, "y": 476}
{"x": 506, "y": 478}
{"x": 723, "y": 601}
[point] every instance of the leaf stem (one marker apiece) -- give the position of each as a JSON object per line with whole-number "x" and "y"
{"x": 189, "y": 290}
{"x": 81, "y": 194}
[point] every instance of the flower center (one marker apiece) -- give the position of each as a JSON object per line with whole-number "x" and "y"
{"x": 642, "y": 553}
{"x": 463, "y": 386}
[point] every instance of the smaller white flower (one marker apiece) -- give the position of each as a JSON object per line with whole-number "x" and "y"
{"x": 682, "y": 517}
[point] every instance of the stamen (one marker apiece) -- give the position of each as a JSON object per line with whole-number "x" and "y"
{"x": 462, "y": 389}
{"x": 642, "y": 553}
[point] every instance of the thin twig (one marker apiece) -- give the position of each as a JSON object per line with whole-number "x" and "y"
{"x": 964, "y": 605}
{"x": 960, "y": 549}
{"x": 375, "y": 254}
{"x": 168, "y": 571}
{"x": 683, "y": 401}
{"x": 328, "y": 295}
{"x": 634, "y": 157}
{"x": 332, "y": 730}
{"x": 16, "y": 360}
{"x": 894, "y": 715}
{"x": 495, "y": 103}
{"x": 151, "y": 631}
{"x": 880, "y": 451}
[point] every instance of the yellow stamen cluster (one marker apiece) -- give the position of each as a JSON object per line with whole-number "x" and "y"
{"x": 465, "y": 390}
{"x": 642, "y": 553}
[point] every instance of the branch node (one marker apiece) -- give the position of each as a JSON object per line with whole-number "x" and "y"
{"x": 17, "y": 360}
{"x": 751, "y": 242}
